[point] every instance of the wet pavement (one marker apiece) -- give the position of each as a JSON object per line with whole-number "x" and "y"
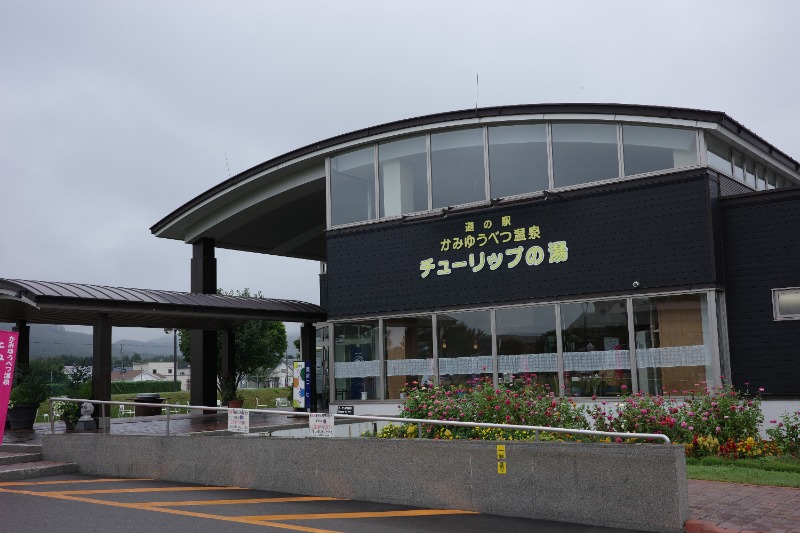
{"x": 179, "y": 424}
{"x": 714, "y": 507}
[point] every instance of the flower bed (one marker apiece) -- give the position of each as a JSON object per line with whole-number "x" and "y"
{"x": 712, "y": 422}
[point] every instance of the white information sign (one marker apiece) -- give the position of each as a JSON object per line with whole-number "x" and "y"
{"x": 239, "y": 421}
{"x": 320, "y": 425}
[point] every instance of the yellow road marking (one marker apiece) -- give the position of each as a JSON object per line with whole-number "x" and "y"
{"x": 143, "y": 489}
{"x": 261, "y": 520}
{"x": 67, "y": 481}
{"x": 238, "y": 502}
{"x": 371, "y": 514}
{"x": 238, "y": 519}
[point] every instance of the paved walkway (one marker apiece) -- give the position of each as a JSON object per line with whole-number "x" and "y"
{"x": 714, "y": 507}
{"x": 737, "y": 507}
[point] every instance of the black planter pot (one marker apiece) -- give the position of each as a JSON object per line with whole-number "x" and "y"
{"x": 22, "y": 416}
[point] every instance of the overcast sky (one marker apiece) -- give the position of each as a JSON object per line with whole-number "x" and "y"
{"x": 113, "y": 114}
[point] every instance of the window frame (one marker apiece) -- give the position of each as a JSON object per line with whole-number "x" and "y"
{"x": 776, "y": 314}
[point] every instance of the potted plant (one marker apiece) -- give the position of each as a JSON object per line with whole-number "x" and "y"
{"x": 229, "y": 394}
{"x": 79, "y": 386}
{"x": 26, "y": 396}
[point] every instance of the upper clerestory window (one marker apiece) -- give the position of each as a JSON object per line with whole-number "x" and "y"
{"x": 451, "y": 168}
{"x": 650, "y": 149}
{"x": 518, "y": 160}
{"x": 458, "y": 175}
{"x": 584, "y": 153}
{"x": 403, "y": 176}
{"x": 719, "y": 155}
{"x": 353, "y": 187}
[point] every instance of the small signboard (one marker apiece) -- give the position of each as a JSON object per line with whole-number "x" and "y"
{"x": 501, "y": 467}
{"x": 320, "y": 425}
{"x": 501, "y": 451}
{"x": 345, "y": 410}
{"x": 239, "y": 421}
{"x": 301, "y": 385}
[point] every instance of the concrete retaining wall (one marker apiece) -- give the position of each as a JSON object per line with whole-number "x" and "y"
{"x": 615, "y": 485}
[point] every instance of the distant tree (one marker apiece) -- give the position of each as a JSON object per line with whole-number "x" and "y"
{"x": 259, "y": 344}
{"x": 136, "y": 359}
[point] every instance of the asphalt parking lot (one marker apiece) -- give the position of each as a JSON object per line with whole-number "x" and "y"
{"x": 79, "y": 504}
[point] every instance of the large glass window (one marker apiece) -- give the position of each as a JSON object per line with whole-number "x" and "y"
{"x": 527, "y": 345}
{"x": 409, "y": 352}
{"x": 353, "y": 187}
{"x": 465, "y": 346}
{"x": 719, "y": 155}
{"x": 357, "y": 364}
{"x": 672, "y": 343}
{"x": 457, "y": 171}
{"x": 518, "y": 159}
{"x": 583, "y": 153}
{"x": 596, "y": 356}
{"x": 649, "y": 149}
{"x": 403, "y": 175}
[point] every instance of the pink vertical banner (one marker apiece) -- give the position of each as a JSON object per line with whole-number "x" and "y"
{"x": 8, "y": 356}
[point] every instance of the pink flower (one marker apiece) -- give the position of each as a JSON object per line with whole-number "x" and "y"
{"x": 773, "y": 421}
{"x": 719, "y": 429}
{"x": 761, "y": 389}
{"x": 683, "y": 424}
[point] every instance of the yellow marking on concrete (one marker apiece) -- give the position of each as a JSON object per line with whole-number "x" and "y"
{"x": 371, "y": 514}
{"x": 239, "y": 502}
{"x": 144, "y": 489}
{"x": 238, "y": 519}
{"x": 68, "y": 481}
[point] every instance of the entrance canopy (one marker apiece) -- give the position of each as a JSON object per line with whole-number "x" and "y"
{"x": 47, "y": 302}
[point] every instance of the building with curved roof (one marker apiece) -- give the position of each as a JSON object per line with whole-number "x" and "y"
{"x": 597, "y": 247}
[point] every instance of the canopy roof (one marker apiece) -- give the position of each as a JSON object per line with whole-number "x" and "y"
{"x": 47, "y": 302}
{"x": 278, "y": 207}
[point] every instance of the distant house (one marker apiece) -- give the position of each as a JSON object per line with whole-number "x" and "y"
{"x": 163, "y": 371}
{"x": 130, "y": 374}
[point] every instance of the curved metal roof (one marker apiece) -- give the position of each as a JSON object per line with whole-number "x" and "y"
{"x": 278, "y": 207}
{"x": 48, "y": 302}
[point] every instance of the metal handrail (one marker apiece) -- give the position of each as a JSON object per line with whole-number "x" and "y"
{"x": 373, "y": 418}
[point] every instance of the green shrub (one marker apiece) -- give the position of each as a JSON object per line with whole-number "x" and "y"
{"x": 786, "y": 435}
{"x": 523, "y": 403}
{"x": 135, "y": 387}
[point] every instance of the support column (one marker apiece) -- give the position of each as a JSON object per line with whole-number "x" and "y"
{"x": 101, "y": 366}
{"x": 228, "y": 353}
{"x": 23, "y": 343}
{"x": 308, "y": 343}
{"x": 203, "y": 352}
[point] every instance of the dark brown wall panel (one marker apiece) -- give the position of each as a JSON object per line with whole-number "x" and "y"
{"x": 762, "y": 252}
{"x": 657, "y": 234}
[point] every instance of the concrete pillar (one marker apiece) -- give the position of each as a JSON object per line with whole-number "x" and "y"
{"x": 203, "y": 352}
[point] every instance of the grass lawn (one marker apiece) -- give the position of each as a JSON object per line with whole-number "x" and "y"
{"x": 774, "y": 471}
